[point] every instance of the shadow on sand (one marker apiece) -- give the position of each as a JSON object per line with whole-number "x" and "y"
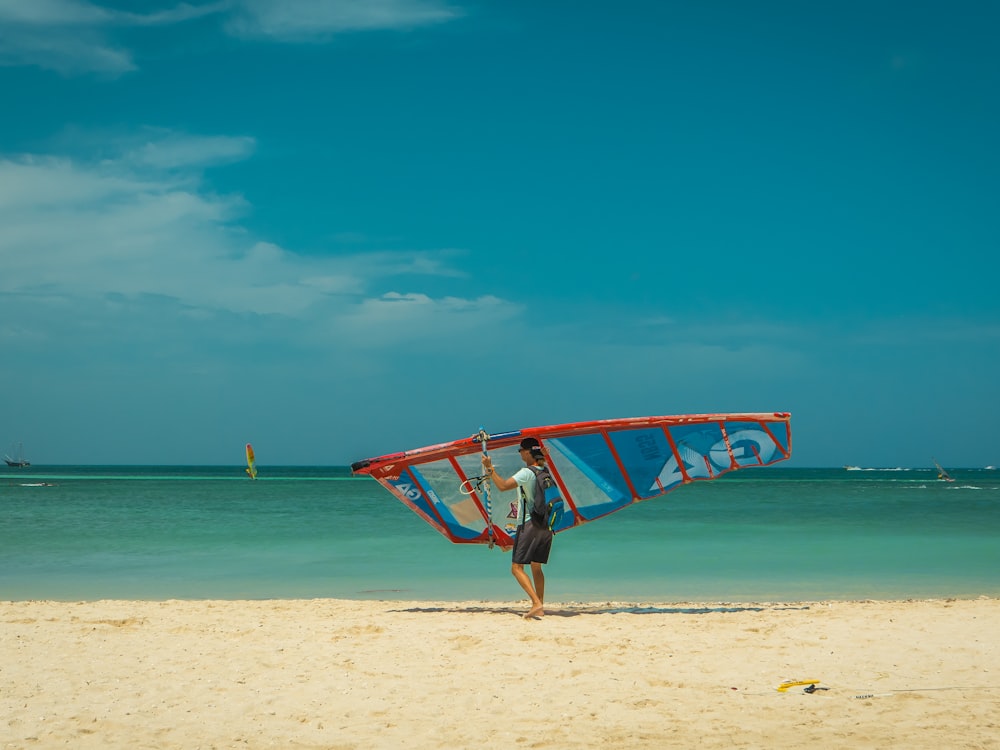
{"x": 573, "y": 610}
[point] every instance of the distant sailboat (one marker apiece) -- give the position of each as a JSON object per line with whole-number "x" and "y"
{"x": 942, "y": 474}
{"x": 19, "y": 461}
{"x": 251, "y": 463}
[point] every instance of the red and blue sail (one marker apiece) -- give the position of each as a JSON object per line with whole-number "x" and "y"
{"x": 600, "y": 467}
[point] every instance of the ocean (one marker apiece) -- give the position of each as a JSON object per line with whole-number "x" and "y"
{"x": 771, "y": 534}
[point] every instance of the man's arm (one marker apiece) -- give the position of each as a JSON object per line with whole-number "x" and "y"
{"x": 501, "y": 484}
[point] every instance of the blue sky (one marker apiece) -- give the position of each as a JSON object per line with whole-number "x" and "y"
{"x": 341, "y": 229}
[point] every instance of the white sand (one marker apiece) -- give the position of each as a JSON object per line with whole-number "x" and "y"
{"x": 348, "y": 674}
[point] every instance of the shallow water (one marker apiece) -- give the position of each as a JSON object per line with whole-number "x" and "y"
{"x": 766, "y": 534}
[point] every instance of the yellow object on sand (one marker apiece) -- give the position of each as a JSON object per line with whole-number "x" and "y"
{"x": 793, "y": 683}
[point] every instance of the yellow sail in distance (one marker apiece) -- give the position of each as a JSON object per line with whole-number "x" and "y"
{"x": 251, "y": 463}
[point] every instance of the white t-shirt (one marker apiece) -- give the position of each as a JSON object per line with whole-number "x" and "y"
{"x": 526, "y": 480}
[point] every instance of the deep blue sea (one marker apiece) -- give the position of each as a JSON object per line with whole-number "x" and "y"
{"x": 767, "y": 534}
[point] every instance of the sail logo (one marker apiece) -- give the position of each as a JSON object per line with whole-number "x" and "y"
{"x": 389, "y": 471}
{"x": 648, "y": 446}
{"x": 748, "y": 447}
{"x": 744, "y": 448}
{"x": 407, "y": 489}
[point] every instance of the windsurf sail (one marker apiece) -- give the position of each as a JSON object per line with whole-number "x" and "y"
{"x": 943, "y": 475}
{"x": 600, "y": 467}
{"x": 251, "y": 463}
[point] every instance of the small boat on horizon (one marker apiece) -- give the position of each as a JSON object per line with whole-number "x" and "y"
{"x": 19, "y": 461}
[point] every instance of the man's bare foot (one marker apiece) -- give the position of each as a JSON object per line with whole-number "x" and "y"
{"x": 534, "y": 612}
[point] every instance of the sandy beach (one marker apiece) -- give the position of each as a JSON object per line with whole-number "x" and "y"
{"x": 361, "y": 674}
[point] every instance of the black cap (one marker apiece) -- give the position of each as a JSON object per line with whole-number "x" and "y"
{"x": 534, "y": 446}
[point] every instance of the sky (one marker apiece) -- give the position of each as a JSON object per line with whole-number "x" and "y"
{"x": 338, "y": 229}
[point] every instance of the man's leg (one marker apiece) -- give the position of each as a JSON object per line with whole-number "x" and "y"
{"x": 539, "y": 577}
{"x": 522, "y": 578}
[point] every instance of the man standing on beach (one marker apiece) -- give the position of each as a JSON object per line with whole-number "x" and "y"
{"x": 534, "y": 538}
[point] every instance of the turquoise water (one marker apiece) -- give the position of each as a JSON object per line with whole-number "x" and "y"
{"x": 772, "y": 534}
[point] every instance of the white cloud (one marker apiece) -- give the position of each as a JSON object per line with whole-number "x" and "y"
{"x": 176, "y": 14}
{"x": 297, "y": 20}
{"x": 74, "y": 37}
{"x": 142, "y": 225}
{"x": 64, "y": 49}
{"x": 62, "y": 35}
{"x": 397, "y": 316}
{"x": 173, "y": 151}
{"x": 52, "y": 12}
{"x": 38, "y": 182}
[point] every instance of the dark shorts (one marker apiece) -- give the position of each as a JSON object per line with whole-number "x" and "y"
{"x": 532, "y": 544}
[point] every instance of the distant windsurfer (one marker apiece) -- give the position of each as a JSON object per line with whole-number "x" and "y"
{"x": 251, "y": 469}
{"x": 534, "y": 539}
